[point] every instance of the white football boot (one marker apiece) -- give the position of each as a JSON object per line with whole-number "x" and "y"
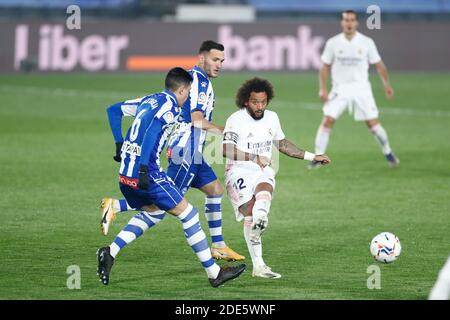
{"x": 264, "y": 271}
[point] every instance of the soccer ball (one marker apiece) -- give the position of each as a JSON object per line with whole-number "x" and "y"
{"x": 385, "y": 247}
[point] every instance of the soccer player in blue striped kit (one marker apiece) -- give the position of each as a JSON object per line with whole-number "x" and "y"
{"x": 146, "y": 186}
{"x": 187, "y": 167}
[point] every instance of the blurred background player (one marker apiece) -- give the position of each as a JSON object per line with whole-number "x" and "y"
{"x": 348, "y": 55}
{"x": 187, "y": 167}
{"x": 146, "y": 186}
{"x": 249, "y": 136}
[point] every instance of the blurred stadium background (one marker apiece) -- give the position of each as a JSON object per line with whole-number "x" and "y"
{"x": 56, "y": 148}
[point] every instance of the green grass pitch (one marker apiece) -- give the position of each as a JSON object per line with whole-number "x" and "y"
{"x": 56, "y": 164}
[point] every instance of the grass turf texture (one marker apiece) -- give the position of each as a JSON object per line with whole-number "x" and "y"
{"x": 56, "y": 156}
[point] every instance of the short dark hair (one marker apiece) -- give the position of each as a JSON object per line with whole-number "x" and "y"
{"x": 349, "y": 11}
{"x": 253, "y": 85}
{"x": 176, "y": 78}
{"x": 208, "y": 45}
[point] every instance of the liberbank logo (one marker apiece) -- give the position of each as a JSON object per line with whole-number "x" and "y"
{"x": 261, "y": 52}
{"x": 57, "y": 51}
{"x": 50, "y": 48}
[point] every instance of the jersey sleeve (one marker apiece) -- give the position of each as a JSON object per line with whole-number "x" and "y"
{"x": 327, "y": 54}
{"x": 167, "y": 113}
{"x": 197, "y": 95}
{"x": 373, "y": 55}
{"x": 278, "y": 134}
{"x": 116, "y": 112}
{"x": 231, "y": 131}
{"x": 150, "y": 139}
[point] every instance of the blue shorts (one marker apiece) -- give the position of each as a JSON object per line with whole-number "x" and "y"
{"x": 187, "y": 175}
{"x": 162, "y": 192}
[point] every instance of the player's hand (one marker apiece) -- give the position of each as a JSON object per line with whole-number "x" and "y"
{"x": 143, "y": 182}
{"x": 323, "y": 95}
{"x": 389, "y": 91}
{"x": 322, "y": 158}
{"x": 118, "y": 148}
{"x": 262, "y": 161}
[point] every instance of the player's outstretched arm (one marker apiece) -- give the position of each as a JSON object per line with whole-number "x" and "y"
{"x": 291, "y": 150}
{"x": 384, "y": 76}
{"x": 231, "y": 151}
{"x": 199, "y": 121}
{"x": 323, "y": 77}
{"x": 115, "y": 122}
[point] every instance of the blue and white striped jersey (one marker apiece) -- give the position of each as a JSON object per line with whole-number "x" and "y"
{"x": 201, "y": 98}
{"x": 118, "y": 110}
{"x": 148, "y": 134}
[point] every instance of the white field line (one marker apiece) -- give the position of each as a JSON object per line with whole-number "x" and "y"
{"x": 124, "y": 95}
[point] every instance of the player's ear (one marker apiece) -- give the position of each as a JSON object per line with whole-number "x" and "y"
{"x": 201, "y": 58}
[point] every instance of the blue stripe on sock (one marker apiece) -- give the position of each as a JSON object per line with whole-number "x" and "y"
{"x": 212, "y": 207}
{"x": 208, "y": 263}
{"x": 123, "y": 205}
{"x": 134, "y": 229}
{"x": 144, "y": 218}
{"x": 217, "y": 238}
{"x": 120, "y": 242}
{"x": 190, "y": 215}
{"x": 192, "y": 230}
{"x": 158, "y": 216}
{"x": 215, "y": 223}
{"x": 200, "y": 246}
{"x": 213, "y": 197}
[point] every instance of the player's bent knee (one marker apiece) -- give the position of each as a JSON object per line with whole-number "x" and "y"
{"x": 372, "y": 123}
{"x": 179, "y": 208}
{"x": 328, "y": 122}
{"x": 150, "y": 208}
{"x": 264, "y": 187}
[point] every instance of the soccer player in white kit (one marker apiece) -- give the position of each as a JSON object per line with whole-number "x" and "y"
{"x": 249, "y": 136}
{"x": 349, "y": 55}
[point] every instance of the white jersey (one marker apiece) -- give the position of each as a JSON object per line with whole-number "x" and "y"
{"x": 252, "y": 136}
{"x": 350, "y": 59}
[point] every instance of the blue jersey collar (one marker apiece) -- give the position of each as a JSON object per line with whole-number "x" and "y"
{"x": 201, "y": 71}
{"x": 172, "y": 95}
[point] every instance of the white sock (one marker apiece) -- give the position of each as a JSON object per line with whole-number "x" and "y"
{"x": 381, "y": 137}
{"x": 322, "y": 138}
{"x": 262, "y": 204}
{"x": 255, "y": 249}
{"x": 441, "y": 289}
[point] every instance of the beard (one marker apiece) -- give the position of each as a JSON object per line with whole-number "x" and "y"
{"x": 255, "y": 115}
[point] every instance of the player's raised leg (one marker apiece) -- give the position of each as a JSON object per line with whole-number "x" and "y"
{"x": 256, "y": 220}
{"x": 196, "y": 238}
{"x": 381, "y": 137}
{"x": 134, "y": 229}
{"x": 109, "y": 208}
{"x": 213, "y": 213}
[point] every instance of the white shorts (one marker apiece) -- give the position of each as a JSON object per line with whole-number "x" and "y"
{"x": 359, "y": 102}
{"x": 241, "y": 183}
